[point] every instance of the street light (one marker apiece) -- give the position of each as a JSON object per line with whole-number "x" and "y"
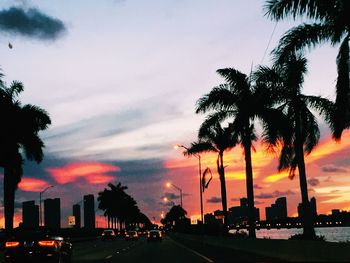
{"x": 40, "y": 195}
{"x": 177, "y": 146}
{"x": 178, "y": 188}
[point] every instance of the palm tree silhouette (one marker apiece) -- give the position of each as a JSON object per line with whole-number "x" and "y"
{"x": 332, "y": 24}
{"x": 214, "y": 138}
{"x": 118, "y": 206}
{"x": 286, "y": 80}
{"x": 19, "y": 139}
{"x": 242, "y": 103}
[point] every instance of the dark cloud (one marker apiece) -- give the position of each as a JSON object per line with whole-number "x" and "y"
{"x": 171, "y": 196}
{"x": 256, "y": 186}
{"x": 313, "y": 181}
{"x": 30, "y": 23}
{"x": 274, "y": 194}
{"x": 235, "y": 199}
{"x": 332, "y": 169}
{"x": 214, "y": 199}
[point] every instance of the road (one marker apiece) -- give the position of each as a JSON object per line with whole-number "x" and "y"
{"x": 168, "y": 250}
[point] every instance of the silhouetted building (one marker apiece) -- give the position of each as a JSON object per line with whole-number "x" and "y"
{"x": 30, "y": 215}
{"x": 313, "y": 208}
{"x": 52, "y": 213}
{"x": 76, "y": 214}
{"x": 335, "y": 212}
{"x": 239, "y": 214}
{"x": 278, "y": 210}
{"x": 89, "y": 211}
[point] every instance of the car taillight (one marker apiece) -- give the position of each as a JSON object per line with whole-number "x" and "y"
{"x": 47, "y": 243}
{"x": 12, "y": 244}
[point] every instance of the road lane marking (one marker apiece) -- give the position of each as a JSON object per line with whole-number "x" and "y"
{"x": 191, "y": 250}
{"x": 108, "y": 257}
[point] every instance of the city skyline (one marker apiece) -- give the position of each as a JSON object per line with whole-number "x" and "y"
{"x": 122, "y": 91}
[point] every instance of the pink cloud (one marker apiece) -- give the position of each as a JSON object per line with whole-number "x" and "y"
{"x": 92, "y": 172}
{"x": 32, "y": 184}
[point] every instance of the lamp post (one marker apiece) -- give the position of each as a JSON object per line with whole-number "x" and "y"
{"x": 200, "y": 177}
{"x": 40, "y": 195}
{"x": 177, "y": 188}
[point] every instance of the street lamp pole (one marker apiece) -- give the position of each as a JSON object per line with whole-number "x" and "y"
{"x": 40, "y": 209}
{"x": 200, "y": 178}
{"x": 177, "y": 188}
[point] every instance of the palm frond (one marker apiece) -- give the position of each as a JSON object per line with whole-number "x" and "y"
{"x": 300, "y": 37}
{"x": 280, "y": 9}
{"x": 199, "y": 147}
{"x": 311, "y": 132}
{"x": 234, "y": 77}
{"x": 343, "y": 90}
{"x": 33, "y": 148}
{"x": 218, "y": 98}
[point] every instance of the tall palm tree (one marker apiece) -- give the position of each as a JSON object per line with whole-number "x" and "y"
{"x": 19, "y": 139}
{"x": 242, "y": 103}
{"x": 331, "y": 24}
{"x": 214, "y": 138}
{"x": 286, "y": 80}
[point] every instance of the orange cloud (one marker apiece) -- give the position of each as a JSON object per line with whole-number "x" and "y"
{"x": 32, "y": 184}
{"x": 92, "y": 172}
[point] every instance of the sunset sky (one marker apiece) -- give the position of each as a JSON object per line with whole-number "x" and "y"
{"x": 120, "y": 79}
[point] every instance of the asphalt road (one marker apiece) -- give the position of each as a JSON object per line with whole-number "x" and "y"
{"x": 134, "y": 251}
{"x": 168, "y": 250}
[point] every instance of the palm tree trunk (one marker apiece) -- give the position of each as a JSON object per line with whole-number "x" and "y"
{"x": 9, "y": 198}
{"x": 221, "y": 171}
{"x": 249, "y": 184}
{"x": 307, "y": 218}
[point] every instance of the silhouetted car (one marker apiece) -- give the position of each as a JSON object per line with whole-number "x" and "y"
{"x": 142, "y": 232}
{"x": 131, "y": 235}
{"x": 108, "y": 234}
{"x": 154, "y": 234}
{"x": 37, "y": 248}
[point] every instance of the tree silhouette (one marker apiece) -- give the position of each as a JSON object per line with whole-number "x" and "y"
{"x": 214, "y": 138}
{"x": 19, "y": 140}
{"x": 119, "y": 206}
{"x": 286, "y": 80}
{"x": 332, "y": 24}
{"x": 242, "y": 103}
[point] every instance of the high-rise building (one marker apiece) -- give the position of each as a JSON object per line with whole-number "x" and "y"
{"x": 313, "y": 208}
{"x": 89, "y": 211}
{"x": 52, "y": 213}
{"x": 76, "y": 214}
{"x": 278, "y": 210}
{"x": 239, "y": 214}
{"x": 30, "y": 214}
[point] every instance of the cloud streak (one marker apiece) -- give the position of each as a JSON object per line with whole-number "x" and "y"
{"x": 274, "y": 194}
{"x": 31, "y": 23}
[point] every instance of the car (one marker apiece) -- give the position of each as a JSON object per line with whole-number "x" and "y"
{"x": 37, "y": 247}
{"x": 142, "y": 232}
{"x": 155, "y": 235}
{"x": 131, "y": 235}
{"x": 108, "y": 234}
